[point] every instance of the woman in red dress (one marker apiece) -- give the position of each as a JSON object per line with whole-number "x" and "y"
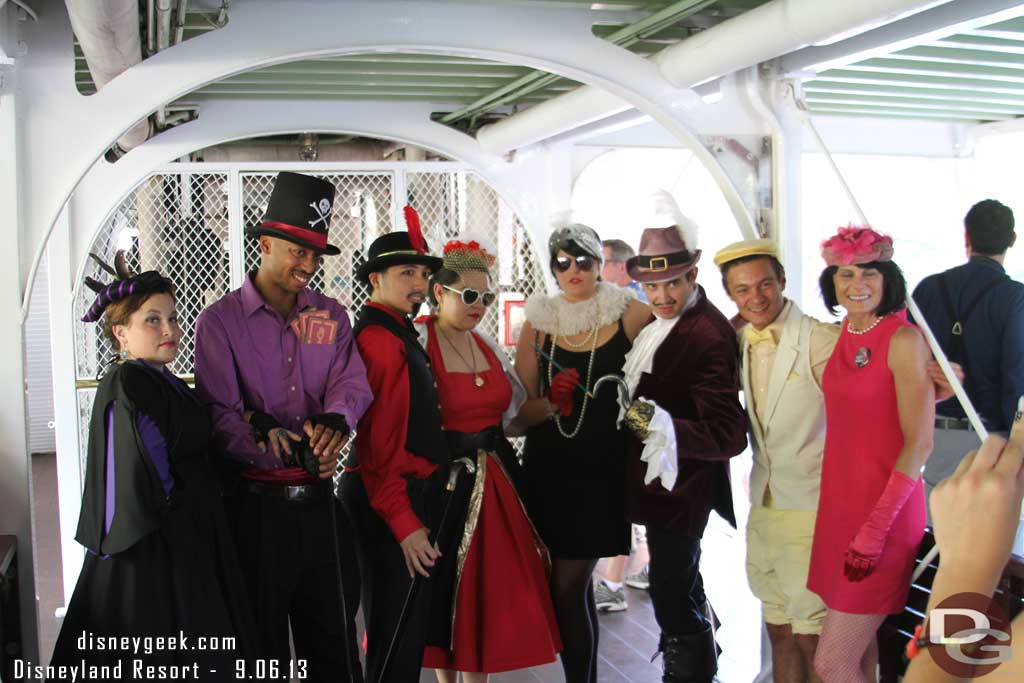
{"x": 880, "y": 410}
{"x": 499, "y": 609}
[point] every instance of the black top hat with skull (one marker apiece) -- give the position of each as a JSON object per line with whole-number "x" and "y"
{"x": 299, "y": 210}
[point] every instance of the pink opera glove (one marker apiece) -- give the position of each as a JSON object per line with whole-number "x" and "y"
{"x": 866, "y": 548}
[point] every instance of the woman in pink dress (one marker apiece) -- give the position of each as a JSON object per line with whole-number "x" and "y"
{"x": 493, "y": 599}
{"x": 880, "y": 411}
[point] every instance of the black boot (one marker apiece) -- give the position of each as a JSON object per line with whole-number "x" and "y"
{"x": 690, "y": 658}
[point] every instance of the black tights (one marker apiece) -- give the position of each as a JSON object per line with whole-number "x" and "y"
{"x": 572, "y": 591}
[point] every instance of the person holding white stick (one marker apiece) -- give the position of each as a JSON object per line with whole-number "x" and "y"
{"x": 977, "y": 314}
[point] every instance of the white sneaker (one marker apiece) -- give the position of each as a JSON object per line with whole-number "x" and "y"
{"x": 641, "y": 580}
{"x": 608, "y": 600}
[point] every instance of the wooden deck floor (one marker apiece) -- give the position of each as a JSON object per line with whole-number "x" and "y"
{"x": 627, "y": 640}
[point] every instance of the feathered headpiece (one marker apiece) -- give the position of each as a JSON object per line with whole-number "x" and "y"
{"x": 567, "y": 233}
{"x": 856, "y": 244}
{"x": 412, "y": 224}
{"x": 665, "y": 213}
{"x": 469, "y": 252}
{"x": 125, "y": 284}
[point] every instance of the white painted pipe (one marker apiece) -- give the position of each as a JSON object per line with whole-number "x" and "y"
{"x": 163, "y": 25}
{"x": 766, "y": 32}
{"x": 558, "y": 115}
{"x": 108, "y": 32}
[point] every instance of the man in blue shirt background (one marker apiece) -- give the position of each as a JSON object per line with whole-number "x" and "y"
{"x": 616, "y": 253}
{"x": 977, "y": 314}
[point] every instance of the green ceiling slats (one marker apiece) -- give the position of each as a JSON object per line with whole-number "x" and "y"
{"x": 974, "y": 75}
{"x": 914, "y": 103}
{"x": 876, "y": 90}
{"x": 975, "y": 41}
{"x": 454, "y": 84}
{"x": 371, "y": 68}
{"x": 316, "y": 88}
{"x": 852, "y": 75}
{"x": 911, "y": 112}
{"x": 908, "y": 66}
{"x": 1015, "y": 25}
{"x": 961, "y": 56}
{"x": 624, "y": 36}
{"x": 873, "y": 113}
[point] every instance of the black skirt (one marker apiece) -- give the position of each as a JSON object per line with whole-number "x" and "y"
{"x": 181, "y": 582}
{"x": 574, "y": 488}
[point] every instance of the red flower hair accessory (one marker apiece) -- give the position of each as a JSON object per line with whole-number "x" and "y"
{"x": 856, "y": 244}
{"x": 468, "y": 252}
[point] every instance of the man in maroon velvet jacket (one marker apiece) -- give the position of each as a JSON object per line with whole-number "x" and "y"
{"x": 687, "y": 422}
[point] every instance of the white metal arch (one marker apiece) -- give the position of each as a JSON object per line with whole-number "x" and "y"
{"x": 106, "y": 184}
{"x": 261, "y": 33}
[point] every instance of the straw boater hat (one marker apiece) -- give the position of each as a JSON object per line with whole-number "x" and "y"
{"x": 299, "y": 210}
{"x": 399, "y": 249}
{"x": 669, "y": 248}
{"x": 745, "y": 249}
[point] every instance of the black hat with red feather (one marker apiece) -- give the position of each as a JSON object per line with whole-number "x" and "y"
{"x": 399, "y": 249}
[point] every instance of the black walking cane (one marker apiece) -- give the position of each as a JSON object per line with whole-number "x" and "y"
{"x": 403, "y": 617}
{"x": 308, "y": 461}
{"x": 332, "y": 503}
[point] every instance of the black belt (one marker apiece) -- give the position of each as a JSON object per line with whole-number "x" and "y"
{"x": 289, "y": 493}
{"x": 462, "y": 443}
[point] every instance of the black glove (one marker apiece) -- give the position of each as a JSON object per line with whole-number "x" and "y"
{"x": 331, "y": 421}
{"x": 263, "y": 423}
{"x": 302, "y": 455}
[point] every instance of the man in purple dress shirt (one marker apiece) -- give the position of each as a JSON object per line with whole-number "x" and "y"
{"x": 275, "y": 363}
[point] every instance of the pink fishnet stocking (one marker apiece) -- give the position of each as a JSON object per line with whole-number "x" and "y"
{"x": 847, "y": 651}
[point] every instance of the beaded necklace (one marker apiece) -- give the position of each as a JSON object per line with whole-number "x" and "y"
{"x": 867, "y": 329}
{"x": 590, "y": 369}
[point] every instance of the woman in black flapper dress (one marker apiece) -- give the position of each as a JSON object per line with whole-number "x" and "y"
{"x": 573, "y": 466}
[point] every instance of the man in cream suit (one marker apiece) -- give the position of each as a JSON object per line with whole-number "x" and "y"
{"x": 783, "y": 354}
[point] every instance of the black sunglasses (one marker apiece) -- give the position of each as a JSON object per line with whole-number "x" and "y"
{"x": 470, "y": 296}
{"x": 563, "y": 264}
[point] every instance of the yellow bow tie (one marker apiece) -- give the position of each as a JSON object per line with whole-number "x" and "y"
{"x": 757, "y": 336}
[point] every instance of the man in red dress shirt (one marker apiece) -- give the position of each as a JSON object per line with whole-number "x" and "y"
{"x": 401, "y": 450}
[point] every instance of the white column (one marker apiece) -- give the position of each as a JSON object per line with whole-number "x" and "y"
{"x": 15, "y": 476}
{"x": 65, "y": 400}
{"x": 787, "y": 160}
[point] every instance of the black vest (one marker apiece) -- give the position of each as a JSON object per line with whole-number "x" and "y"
{"x": 424, "y": 435}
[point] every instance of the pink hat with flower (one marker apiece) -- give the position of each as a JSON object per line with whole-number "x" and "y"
{"x": 856, "y": 244}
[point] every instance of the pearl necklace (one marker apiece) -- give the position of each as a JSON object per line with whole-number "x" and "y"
{"x": 586, "y": 340}
{"x": 866, "y": 329}
{"x": 586, "y": 385}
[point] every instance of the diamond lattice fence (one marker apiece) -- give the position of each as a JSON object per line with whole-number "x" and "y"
{"x": 178, "y": 223}
{"x": 453, "y": 202}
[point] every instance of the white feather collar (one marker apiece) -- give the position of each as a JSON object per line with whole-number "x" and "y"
{"x": 556, "y": 316}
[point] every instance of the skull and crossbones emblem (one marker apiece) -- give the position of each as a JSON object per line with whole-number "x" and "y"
{"x": 323, "y": 212}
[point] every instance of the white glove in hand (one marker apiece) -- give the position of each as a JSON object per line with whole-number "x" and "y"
{"x": 660, "y": 451}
